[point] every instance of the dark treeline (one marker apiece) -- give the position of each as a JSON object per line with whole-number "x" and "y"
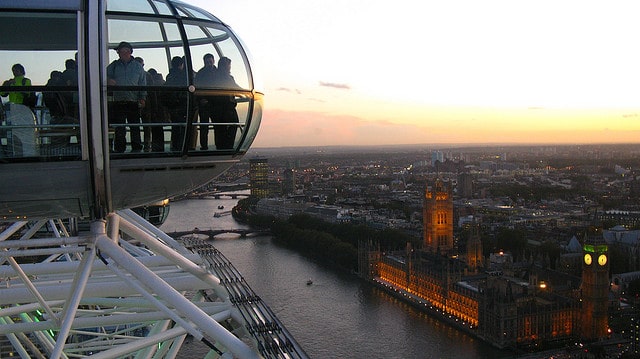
{"x": 333, "y": 243}
{"x": 537, "y": 192}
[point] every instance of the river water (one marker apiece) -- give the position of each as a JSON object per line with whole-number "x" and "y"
{"x": 339, "y": 315}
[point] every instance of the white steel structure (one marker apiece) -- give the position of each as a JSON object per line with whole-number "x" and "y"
{"x": 98, "y": 295}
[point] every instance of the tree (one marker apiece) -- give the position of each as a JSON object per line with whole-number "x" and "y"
{"x": 552, "y": 250}
{"x": 619, "y": 259}
{"x": 512, "y": 240}
{"x": 634, "y": 288}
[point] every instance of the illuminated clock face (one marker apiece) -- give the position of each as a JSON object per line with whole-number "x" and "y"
{"x": 602, "y": 259}
{"x": 587, "y": 259}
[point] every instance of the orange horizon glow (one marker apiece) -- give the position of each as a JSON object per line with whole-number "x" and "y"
{"x": 306, "y": 128}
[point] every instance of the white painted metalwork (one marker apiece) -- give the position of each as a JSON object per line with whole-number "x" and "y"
{"x": 110, "y": 303}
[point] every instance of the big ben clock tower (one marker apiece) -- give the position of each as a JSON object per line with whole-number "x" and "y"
{"x": 595, "y": 287}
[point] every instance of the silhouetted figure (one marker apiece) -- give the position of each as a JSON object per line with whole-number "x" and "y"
{"x": 70, "y": 78}
{"x": 70, "y": 73}
{"x": 146, "y": 113}
{"x": 224, "y": 107}
{"x": 205, "y": 78}
{"x": 177, "y": 102}
{"x": 154, "y": 112}
{"x": 54, "y": 100}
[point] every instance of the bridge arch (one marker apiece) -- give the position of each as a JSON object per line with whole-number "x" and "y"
{"x": 210, "y": 234}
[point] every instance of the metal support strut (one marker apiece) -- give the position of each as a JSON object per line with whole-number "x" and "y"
{"x": 103, "y": 296}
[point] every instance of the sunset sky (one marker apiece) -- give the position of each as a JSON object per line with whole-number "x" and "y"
{"x": 356, "y": 72}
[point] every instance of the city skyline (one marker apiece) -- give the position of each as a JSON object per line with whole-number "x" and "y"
{"x": 372, "y": 73}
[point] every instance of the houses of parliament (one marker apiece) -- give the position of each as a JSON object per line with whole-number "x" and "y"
{"x": 509, "y": 304}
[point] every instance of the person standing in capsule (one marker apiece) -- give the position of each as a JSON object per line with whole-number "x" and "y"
{"x": 223, "y": 107}
{"x": 205, "y": 78}
{"x": 176, "y": 102}
{"x": 126, "y": 104}
{"x": 18, "y": 79}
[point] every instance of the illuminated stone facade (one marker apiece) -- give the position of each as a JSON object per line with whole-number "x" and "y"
{"x": 438, "y": 218}
{"x": 519, "y": 315}
{"x": 519, "y": 305}
{"x": 499, "y": 309}
{"x": 475, "y": 258}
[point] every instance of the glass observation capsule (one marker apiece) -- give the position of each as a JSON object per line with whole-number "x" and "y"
{"x": 115, "y": 104}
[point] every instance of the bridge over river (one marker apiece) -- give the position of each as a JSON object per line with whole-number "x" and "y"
{"x": 211, "y": 233}
{"x": 218, "y": 195}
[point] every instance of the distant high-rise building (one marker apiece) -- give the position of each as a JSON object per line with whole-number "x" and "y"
{"x": 436, "y": 156}
{"x": 438, "y": 218}
{"x": 465, "y": 185}
{"x": 259, "y": 177}
{"x": 289, "y": 181}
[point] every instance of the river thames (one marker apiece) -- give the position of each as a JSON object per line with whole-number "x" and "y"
{"x": 339, "y": 315}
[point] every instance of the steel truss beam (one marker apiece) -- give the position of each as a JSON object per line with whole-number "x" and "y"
{"x": 120, "y": 289}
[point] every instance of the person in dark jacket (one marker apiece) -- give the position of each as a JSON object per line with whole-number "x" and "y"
{"x": 126, "y": 104}
{"x": 177, "y": 102}
{"x": 224, "y": 107}
{"x": 205, "y": 78}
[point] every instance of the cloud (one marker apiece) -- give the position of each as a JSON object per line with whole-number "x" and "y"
{"x": 335, "y": 85}
{"x": 313, "y": 99}
{"x": 286, "y": 89}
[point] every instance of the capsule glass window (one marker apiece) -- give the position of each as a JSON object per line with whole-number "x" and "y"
{"x": 39, "y": 111}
